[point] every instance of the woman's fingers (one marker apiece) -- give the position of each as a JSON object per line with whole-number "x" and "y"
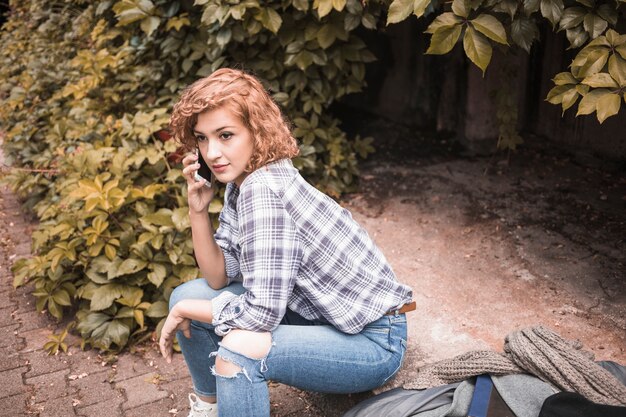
{"x": 165, "y": 346}
{"x": 190, "y": 166}
{"x": 190, "y": 170}
{"x": 166, "y": 341}
{"x": 189, "y": 159}
{"x": 186, "y": 328}
{"x": 195, "y": 185}
{"x": 172, "y": 323}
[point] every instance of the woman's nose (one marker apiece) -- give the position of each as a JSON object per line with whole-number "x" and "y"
{"x": 213, "y": 151}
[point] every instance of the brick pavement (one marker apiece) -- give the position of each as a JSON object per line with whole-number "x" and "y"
{"x": 80, "y": 383}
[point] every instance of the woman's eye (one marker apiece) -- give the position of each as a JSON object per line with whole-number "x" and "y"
{"x": 200, "y": 138}
{"x": 226, "y": 135}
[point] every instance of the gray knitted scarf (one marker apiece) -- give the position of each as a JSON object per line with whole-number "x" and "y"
{"x": 537, "y": 351}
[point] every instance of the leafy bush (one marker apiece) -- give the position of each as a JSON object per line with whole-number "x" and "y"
{"x": 87, "y": 89}
{"x": 86, "y": 95}
{"x": 597, "y": 74}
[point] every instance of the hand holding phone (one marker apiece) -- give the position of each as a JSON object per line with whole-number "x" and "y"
{"x": 203, "y": 173}
{"x": 200, "y": 191}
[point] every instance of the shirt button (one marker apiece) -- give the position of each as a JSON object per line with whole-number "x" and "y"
{"x": 237, "y": 310}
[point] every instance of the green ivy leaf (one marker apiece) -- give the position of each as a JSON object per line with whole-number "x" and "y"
{"x": 552, "y": 10}
{"x": 304, "y": 59}
{"x": 507, "y": 6}
{"x": 302, "y": 5}
{"x": 477, "y": 48}
{"x": 572, "y": 17}
{"x": 186, "y": 273}
{"x": 130, "y": 266}
{"x": 91, "y": 322}
{"x": 323, "y": 7}
{"x": 530, "y": 6}
{"x": 369, "y": 21}
{"x": 608, "y": 13}
{"x": 569, "y": 99}
{"x": 104, "y": 296}
{"x": 180, "y": 218}
{"x": 61, "y": 297}
{"x": 162, "y": 217}
{"x": 582, "y": 89}
{"x": 577, "y": 37}
{"x": 177, "y": 22}
{"x": 523, "y": 32}
{"x": 617, "y": 69}
{"x": 608, "y": 105}
{"x": 566, "y": 95}
{"x": 444, "y": 20}
{"x": 150, "y": 24}
{"x": 339, "y": 5}
{"x": 594, "y": 25}
{"x": 157, "y": 310}
{"x": 600, "y": 80}
{"x": 420, "y": 6}
{"x": 564, "y": 78}
{"x": 158, "y": 274}
{"x": 130, "y": 11}
{"x": 271, "y": 20}
{"x": 399, "y": 10}
{"x": 589, "y": 62}
{"x": 588, "y": 103}
{"x": 491, "y": 27}
{"x": 555, "y": 95}
{"x": 461, "y": 8}
{"x": 615, "y": 39}
{"x": 326, "y": 36}
{"x": 351, "y": 22}
{"x": 117, "y": 332}
{"x": 444, "y": 39}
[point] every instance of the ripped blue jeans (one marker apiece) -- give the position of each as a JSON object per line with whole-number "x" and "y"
{"x": 308, "y": 355}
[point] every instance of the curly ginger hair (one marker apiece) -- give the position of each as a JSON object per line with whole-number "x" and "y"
{"x": 245, "y": 96}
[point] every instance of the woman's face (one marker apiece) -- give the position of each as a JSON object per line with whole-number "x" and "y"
{"x": 225, "y": 144}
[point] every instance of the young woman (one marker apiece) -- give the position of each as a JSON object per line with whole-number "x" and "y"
{"x": 294, "y": 290}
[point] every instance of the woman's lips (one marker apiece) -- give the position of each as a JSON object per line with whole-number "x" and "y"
{"x": 219, "y": 168}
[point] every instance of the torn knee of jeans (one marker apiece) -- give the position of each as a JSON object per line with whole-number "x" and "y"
{"x": 234, "y": 370}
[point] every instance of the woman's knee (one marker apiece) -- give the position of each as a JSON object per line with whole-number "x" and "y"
{"x": 195, "y": 289}
{"x": 245, "y": 343}
{"x": 199, "y": 289}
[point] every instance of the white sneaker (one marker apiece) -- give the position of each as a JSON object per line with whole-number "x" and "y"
{"x": 205, "y": 411}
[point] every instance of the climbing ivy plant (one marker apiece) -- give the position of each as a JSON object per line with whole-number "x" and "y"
{"x": 85, "y": 100}
{"x": 87, "y": 89}
{"x": 596, "y": 76}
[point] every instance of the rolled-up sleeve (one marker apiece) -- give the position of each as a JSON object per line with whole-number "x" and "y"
{"x": 269, "y": 260}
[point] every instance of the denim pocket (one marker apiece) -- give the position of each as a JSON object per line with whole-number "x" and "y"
{"x": 379, "y": 332}
{"x": 403, "y": 345}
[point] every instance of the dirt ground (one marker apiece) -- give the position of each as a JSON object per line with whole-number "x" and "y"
{"x": 492, "y": 244}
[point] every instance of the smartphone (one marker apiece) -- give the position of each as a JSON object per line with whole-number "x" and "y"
{"x": 203, "y": 173}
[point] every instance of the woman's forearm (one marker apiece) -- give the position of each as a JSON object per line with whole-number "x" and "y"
{"x": 208, "y": 254}
{"x": 198, "y": 310}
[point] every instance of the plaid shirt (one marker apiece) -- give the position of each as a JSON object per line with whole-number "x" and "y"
{"x": 294, "y": 247}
